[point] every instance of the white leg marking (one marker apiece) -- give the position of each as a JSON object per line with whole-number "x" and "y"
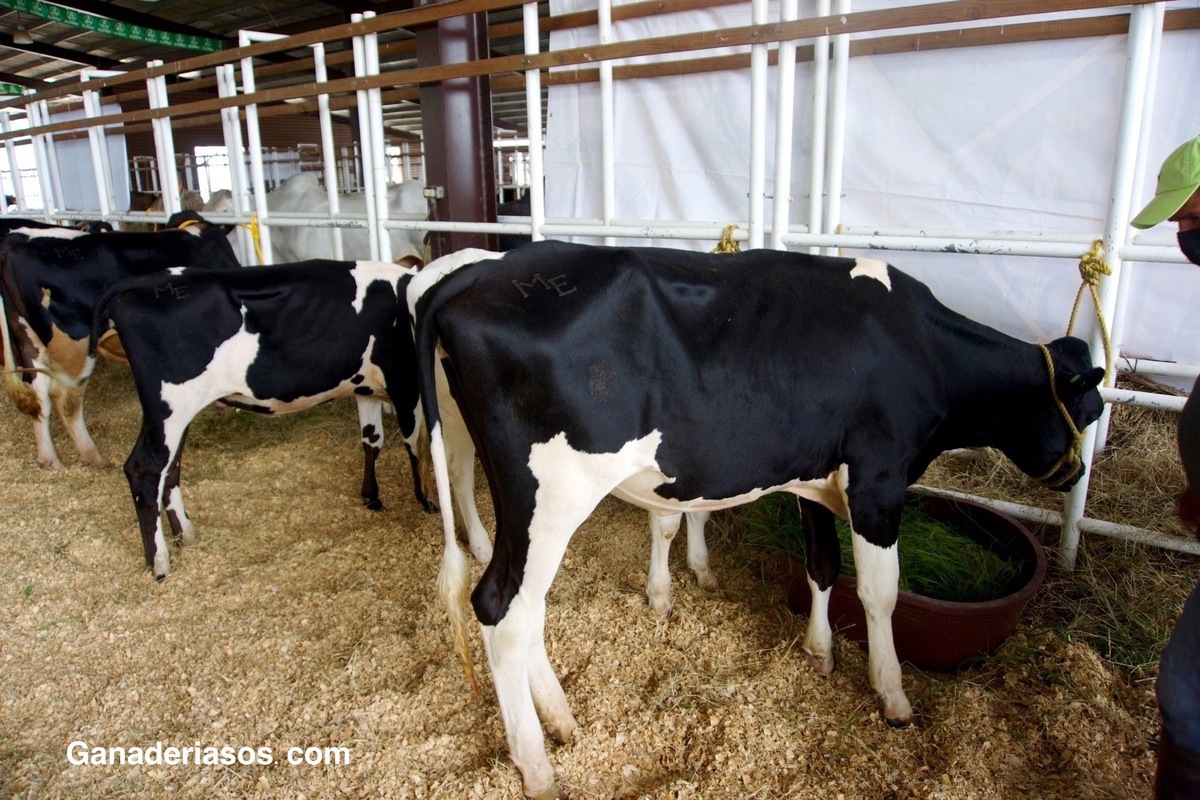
{"x": 663, "y": 528}
{"x": 547, "y": 693}
{"x": 878, "y": 571}
{"x": 47, "y": 455}
{"x": 818, "y": 639}
{"x": 698, "y": 549}
{"x": 174, "y": 505}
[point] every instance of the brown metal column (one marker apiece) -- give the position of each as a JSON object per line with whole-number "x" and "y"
{"x": 457, "y": 121}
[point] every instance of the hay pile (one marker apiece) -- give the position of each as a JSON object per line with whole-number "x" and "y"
{"x": 300, "y": 619}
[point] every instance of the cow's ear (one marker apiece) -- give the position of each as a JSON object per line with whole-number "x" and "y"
{"x": 1082, "y": 382}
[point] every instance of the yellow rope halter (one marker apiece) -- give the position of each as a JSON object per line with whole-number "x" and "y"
{"x": 1093, "y": 267}
{"x": 255, "y": 235}
{"x": 1071, "y": 457}
{"x": 727, "y": 244}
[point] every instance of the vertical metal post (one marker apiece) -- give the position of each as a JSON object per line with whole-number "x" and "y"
{"x": 457, "y": 115}
{"x": 781, "y": 203}
{"x": 98, "y": 141}
{"x": 1143, "y": 20}
{"x": 14, "y": 169}
{"x": 42, "y": 157}
{"x": 378, "y": 176}
{"x": 837, "y": 127}
{"x": 366, "y": 146}
{"x": 820, "y": 130}
{"x": 533, "y": 112}
{"x": 164, "y": 142}
{"x": 254, "y": 145}
{"x": 608, "y": 136}
{"x": 329, "y": 160}
{"x": 758, "y": 127}
{"x": 239, "y": 181}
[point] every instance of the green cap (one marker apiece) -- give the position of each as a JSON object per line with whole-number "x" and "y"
{"x": 1178, "y": 178}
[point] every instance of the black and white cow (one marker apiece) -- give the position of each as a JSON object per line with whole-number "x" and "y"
{"x": 270, "y": 340}
{"x": 682, "y": 381}
{"x": 51, "y": 278}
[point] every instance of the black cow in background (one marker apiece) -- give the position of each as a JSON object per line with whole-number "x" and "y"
{"x": 49, "y": 281}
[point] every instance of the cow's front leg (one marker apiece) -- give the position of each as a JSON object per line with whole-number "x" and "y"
{"x": 181, "y": 525}
{"x": 663, "y": 528}
{"x": 370, "y": 425}
{"x": 698, "y": 549}
{"x": 144, "y": 471}
{"x": 878, "y": 570}
{"x": 69, "y": 402}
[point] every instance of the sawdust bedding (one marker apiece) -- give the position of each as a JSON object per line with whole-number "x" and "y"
{"x": 300, "y": 619}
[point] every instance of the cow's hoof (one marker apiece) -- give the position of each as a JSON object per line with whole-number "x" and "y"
{"x": 897, "y": 712}
{"x": 662, "y": 608}
{"x": 160, "y": 578}
{"x": 822, "y": 665}
{"x": 47, "y": 463}
{"x": 706, "y": 580}
{"x": 551, "y": 792}
{"x": 97, "y": 460}
{"x": 373, "y": 505}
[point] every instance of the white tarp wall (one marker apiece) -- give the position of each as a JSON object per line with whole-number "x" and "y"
{"x": 1016, "y": 137}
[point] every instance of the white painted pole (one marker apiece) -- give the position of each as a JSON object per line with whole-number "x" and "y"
{"x": 239, "y": 181}
{"x": 379, "y": 163}
{"x": 608, "y": 135}
{"x": 820, "y": 131}
{"x": 781, "y": 203}
{"x": 366, "y": 148}
{"x": 758, "y": 128}
{"x": 533, "y": 112}
{"x": 14, "y": 169}
{"x": 837, "y": 128}
{"x": 329, "y": 157}
{"x": 254, "y": 146}
{"x": 164, "y": 142}
{"x": 98, "y": 142}
{"x": 1142, "y": 20}
{"x": 1121, "y": 308}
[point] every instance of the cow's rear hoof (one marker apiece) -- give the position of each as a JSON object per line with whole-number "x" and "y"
{"x": 374, "y": 505}
{"x": 160, "y": 578}
{"x": 822, "y": 665}
{"x": 899, "y": 722}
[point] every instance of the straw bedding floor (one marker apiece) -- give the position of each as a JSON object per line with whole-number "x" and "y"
{"x": 301, "y": 620}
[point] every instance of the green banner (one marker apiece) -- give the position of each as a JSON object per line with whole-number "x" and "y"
{"x": 122, "y": 30}
{"x": 11, "y": 88}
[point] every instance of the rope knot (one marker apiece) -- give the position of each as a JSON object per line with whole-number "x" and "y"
{"x": 727, "y": 244}
{"x": 255, "y": 235}
{"x": 1092, "y": 266}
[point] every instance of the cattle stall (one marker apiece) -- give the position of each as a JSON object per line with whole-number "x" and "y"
{"x": 301, "y": 621}
{"x": 841, "y": 38}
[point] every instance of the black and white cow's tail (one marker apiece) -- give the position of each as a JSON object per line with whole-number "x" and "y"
{"x": 452, "y": 577}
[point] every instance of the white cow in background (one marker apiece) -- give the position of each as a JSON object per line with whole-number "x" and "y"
{"x": 302, "y": 194}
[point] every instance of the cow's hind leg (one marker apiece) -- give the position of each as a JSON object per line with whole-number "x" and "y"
{"x": 698, "y": 549}
{"x": 568, "y": 487}
{"x": 822, "y": 560}
{"x": 69, "y": 401}
{"x": 663, "y": 528}
{"x": 370, "y": 424}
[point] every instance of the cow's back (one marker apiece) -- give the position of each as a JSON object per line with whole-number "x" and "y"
{"x": 725, "y": 355}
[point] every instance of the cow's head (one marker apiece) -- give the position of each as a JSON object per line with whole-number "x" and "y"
{"x": 1042, "y": 436}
